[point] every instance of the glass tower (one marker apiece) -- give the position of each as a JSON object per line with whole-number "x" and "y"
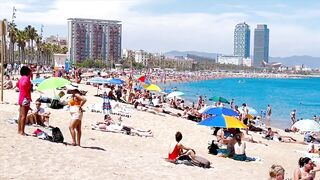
{"x": 261, "y": 45}
{"x": 241, "y": 46}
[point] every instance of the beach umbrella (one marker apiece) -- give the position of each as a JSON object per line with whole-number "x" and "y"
{"x": 116, "y": 81}
{"x": 98, "y": 80}
{"x": 53, "y": 83}
{"x": 252, "y": 111}
{"x": 175, "y": 94}
{"x": 220, "y": 111}
{"x": 152, "y": 87}
{"x": 307, "y": 125}
{"x": 38, "y": 81}
{"x": 219, "y": 98}
{"x": 222, "y": 121}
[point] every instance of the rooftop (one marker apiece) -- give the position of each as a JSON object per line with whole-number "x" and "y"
{"x": 94, "y": 20}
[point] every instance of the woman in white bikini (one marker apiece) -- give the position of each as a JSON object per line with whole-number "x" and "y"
{"x": 75, "y": 104}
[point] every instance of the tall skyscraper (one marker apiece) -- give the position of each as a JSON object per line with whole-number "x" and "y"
{"x": 261, "y": 45}
{"x": 241, "y": 44}
{"x": 94, "y": 39}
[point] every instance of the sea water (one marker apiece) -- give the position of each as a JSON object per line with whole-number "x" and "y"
{"x": 284, "y": 95}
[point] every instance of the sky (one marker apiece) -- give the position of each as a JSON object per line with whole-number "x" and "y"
{"x": 164, "y": 25}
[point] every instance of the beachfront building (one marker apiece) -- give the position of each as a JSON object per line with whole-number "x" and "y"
{"x": 60, "y": 41}
{"x": 94, "y": 39}
{"x": 142, "y": 57}
{"x": 234, "y": 60}
{"x": 241, "y": 44}
{"x": 261, "y": 45}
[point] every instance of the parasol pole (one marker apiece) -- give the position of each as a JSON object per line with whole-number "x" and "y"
{"x": 3, "y": 51}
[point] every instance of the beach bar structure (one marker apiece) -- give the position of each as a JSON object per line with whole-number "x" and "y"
{"x": 94, "y": 39}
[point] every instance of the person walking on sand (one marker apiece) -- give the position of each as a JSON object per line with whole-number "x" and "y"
{"x": 76, "y": 103}
{"x": 268, "y": 115}
{"x": 293, "y": 116}
{"x": 24, "y": 86}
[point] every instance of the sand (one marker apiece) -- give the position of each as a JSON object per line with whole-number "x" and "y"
{"x": 105, "y": 155}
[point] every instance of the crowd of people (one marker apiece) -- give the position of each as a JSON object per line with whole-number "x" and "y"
{"x": 131, "y": 93}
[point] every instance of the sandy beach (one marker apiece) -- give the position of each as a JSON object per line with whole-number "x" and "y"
{"x": 106, "y": 155}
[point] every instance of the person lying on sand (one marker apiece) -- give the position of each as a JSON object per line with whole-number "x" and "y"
{"x": 273, "y": 135}
{"x": 163, "y": 110}
{"x": 110, "y": 125}
{"x": 180, "y": 150}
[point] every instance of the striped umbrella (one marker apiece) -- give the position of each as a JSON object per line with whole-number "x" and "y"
{"x": 223, "y": 121}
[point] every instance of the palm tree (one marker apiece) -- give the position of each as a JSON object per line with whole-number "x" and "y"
{"x": 13, "y": 39}
{"x": 48, "y": 52}
{"x": 28, "y": 31}
{"x": 39, "y": 44}
{"x": 21, "y": 40}
{"x": 33, "y": 35}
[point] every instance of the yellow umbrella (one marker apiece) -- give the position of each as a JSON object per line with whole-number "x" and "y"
{"x": 152, "y": 87}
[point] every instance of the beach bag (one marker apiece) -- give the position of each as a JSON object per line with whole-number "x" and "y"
{"x": 55, "y": 104}
{"x": 57, "y": 135}
{"x": 213, "y": 148}
{"x": 201, "y": 162}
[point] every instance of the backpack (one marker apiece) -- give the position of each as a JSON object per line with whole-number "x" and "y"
{"x": 57, "y": 135}
{"x": 55, "y": 104}
{"x": 201, "y": 162}
{"x": 213, "y": 148}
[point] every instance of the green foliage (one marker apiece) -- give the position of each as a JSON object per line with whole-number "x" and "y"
{"x": 137, "y": 65}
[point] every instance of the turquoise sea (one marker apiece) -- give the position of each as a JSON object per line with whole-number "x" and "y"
{"x": 283, "y": 95}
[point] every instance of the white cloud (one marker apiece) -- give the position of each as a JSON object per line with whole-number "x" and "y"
{"x": 181, "y": 31}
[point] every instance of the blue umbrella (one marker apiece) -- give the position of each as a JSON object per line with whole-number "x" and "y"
{"x": 223, "y": 122}
{"x": 98, "y": 80}
{"x": 38, "y": 81}
{"x": 116, "y": 81}
{"x": 220, "y": 111}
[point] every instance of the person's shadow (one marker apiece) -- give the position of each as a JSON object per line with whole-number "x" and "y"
{"x": 86, "y": 147}
{"x": 93, "y": 147}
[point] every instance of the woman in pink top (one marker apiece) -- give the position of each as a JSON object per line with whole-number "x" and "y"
{"x": 24, "y": 85}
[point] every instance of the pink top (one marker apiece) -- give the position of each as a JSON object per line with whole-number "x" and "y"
{"x": 24, "y": 85}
